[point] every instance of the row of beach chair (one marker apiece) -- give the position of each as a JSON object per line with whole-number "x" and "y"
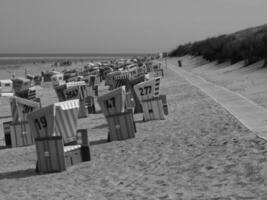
{"x": 53, "y": 128}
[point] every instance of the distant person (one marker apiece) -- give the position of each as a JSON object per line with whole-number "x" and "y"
{"x": 179, "y": 63}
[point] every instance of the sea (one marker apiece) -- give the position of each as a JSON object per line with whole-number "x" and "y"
{"x": 16, "y": 59}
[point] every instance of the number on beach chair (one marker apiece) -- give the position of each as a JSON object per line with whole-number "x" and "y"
{"x": 113, "y": 102}
{"x": 54, "y": 126}
{"x": 59, "y": 119}
{"x": 20, "y": 108}
{"x": 120, "y": 121}
{"x": 154, "y": 105}
{"x": 78, "y": 92}
{"x": 42, "y": 122}
{"x": 147, "y": 89}
{"x": 72, "y": 93}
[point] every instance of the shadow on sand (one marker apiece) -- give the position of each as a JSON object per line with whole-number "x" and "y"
{"x": 102, "y": 141}
{"x": 4, "y": 147}
{"x": 140, "y": 121}
{"x": 18, "y": 174}
{"x": 100, "y": 126}
{"x": 6, "y": 116}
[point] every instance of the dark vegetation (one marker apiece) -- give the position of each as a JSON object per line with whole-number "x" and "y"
{"x": 249, "y": 45}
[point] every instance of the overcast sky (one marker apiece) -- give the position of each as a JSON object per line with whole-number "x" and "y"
{"x": 119, "y": 26}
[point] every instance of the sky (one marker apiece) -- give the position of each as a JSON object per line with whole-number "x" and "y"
{"x": 119, "y": 26}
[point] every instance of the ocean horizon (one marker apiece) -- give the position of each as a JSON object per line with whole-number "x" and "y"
{"x": 17, "y": 59}
{"x": 77, "y": 55}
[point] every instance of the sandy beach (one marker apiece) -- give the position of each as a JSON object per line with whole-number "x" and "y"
{"x": 199, "y": 152}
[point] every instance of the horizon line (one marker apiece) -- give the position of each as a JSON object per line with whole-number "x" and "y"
{"x": 71, "y": 54}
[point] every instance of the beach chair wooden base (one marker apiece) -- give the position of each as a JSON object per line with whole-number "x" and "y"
{"x": 72, "y": 155}
{"x": 50, "y": 154}
{"x": 153, "y": 109}
{"x": 91, "y": 109}
{"x": 163, "y": 98}
{"x": 96, "y": 90}
{"x": 121, "y": 126}
{"x": 90, "y": 101}
{"x": 20, "y": 134}
{"x": 6, "y": 128}
{"x": 82, "y": 110}
{"x": 53, "y": 156}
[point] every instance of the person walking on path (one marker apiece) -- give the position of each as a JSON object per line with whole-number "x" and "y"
{"x": 179, "y": 63}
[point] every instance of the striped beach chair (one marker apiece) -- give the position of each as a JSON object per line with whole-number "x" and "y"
{"x": 20, "y": 108}
{"x": 154, "y": 106}
{"x": 55, "y": 132}
{"x": 77, "y": 83}
{"x": 81, "y": 91}
{"x": 19, "y": 128}
{"x": 29, "y": 94}
{"x": 109, "y": 81}
{"x": 120, "y": 120}
{"x": 94, "y": 81}
{"x": 121, "y": 80}
{"x": 66, "y": 114}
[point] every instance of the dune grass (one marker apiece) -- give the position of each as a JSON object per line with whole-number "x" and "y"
{"x": 249, "y": 45}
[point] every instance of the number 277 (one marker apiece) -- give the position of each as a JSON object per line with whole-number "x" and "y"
{"x": 146, "y": 90}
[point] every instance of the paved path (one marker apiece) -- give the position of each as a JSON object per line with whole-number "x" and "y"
{"x": 253, "y": 116}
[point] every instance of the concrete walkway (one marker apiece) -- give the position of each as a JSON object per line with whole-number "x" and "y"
{"x": 253, "y": 116}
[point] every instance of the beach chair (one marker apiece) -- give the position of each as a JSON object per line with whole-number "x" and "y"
{"x": 7, "y": 134}
{"x": 120, "y": 121}
{"x": 154, "y": 106}
{"x": 109, "y": 81}
{"x": 159, "y": 72}
{"x": 75, "y": 90}
{"x": 121, "y": 79}
{"x": 90, "y": 104}
{"x": 57, "y": 79}
{"x": 56, "y": 137}
{"x": 29, "y": 93}
{"x": 94, "y": 82}
{"x": 20, "y": 84}
{"x": 87, "y": 98}
{"x": 17, "y": 132}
